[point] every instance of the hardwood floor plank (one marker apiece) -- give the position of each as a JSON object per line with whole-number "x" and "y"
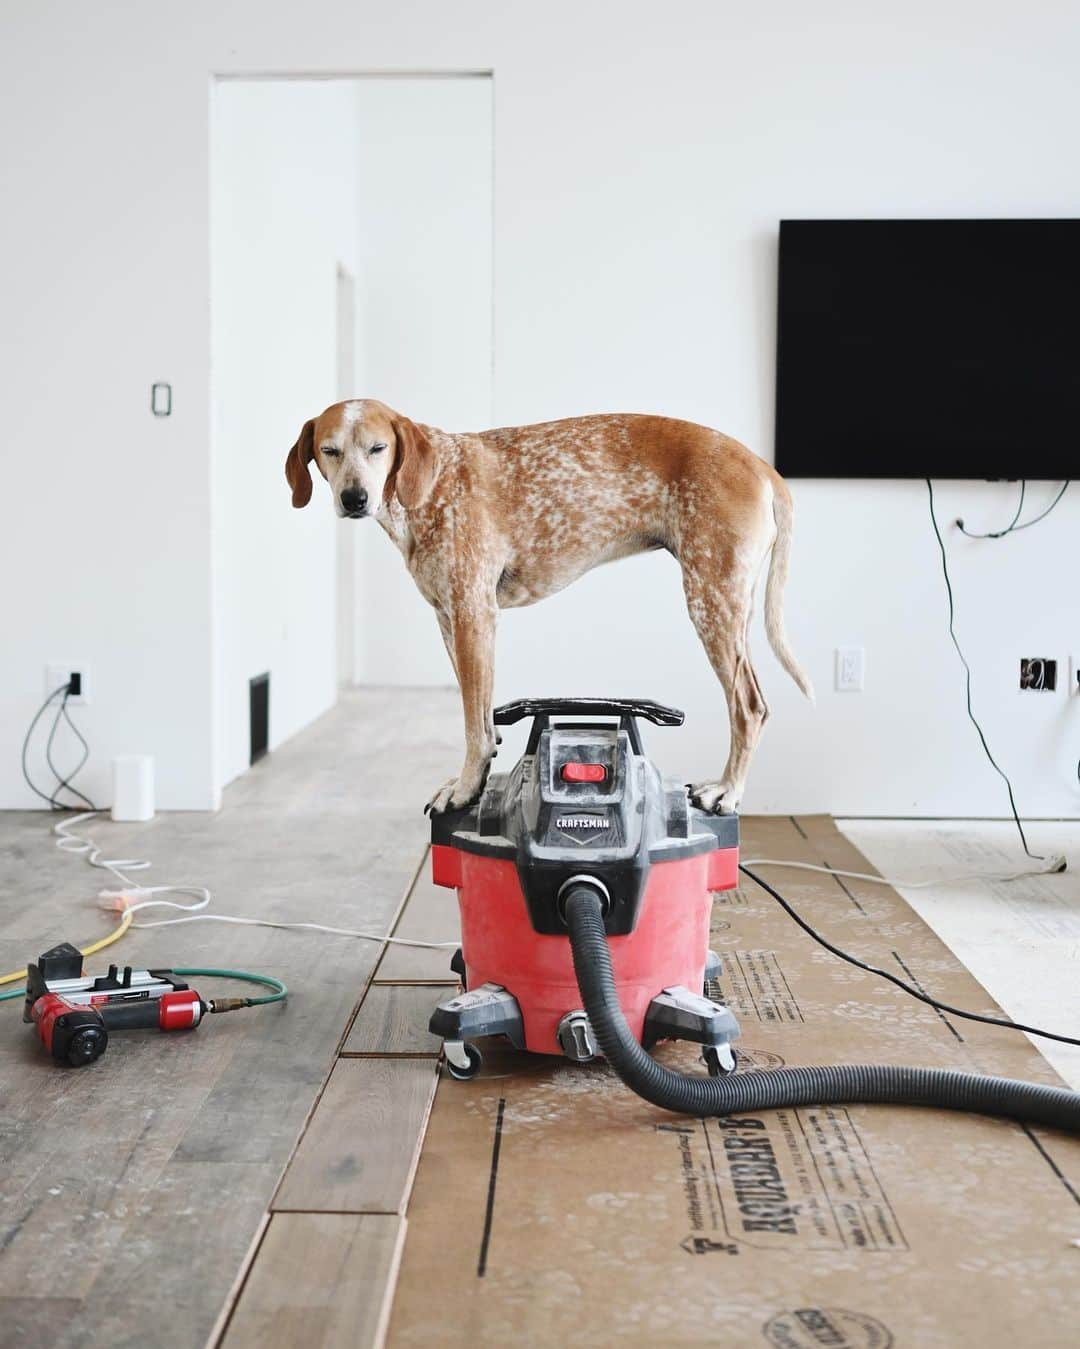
{"x": 431, "y": 914}
{"x": 359, "y": 1151}
{"x": 178, "y": 1243}
{"x": 160, "y": 1161}
{"x": 393, "y": 1019}
{"x": 36, "y": 1320}
{"x": 321, "y": 1280}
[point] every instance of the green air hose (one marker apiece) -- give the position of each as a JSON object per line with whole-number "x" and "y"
{"x": 266, "y": 980}
{"x": 278, "y": 994}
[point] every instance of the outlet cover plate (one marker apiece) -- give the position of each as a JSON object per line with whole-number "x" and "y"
{"x": 850, "y": 669}
{"x": 58, "y": 672}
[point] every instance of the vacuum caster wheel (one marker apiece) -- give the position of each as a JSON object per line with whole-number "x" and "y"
{"x": 718, "y": 1061}
{"x": 462, "y": 1060}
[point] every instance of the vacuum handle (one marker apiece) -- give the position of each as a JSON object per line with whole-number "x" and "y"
{"x": 521, "y": 708}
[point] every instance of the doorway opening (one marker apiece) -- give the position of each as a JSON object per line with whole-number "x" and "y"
{"x": 352, "y": 256}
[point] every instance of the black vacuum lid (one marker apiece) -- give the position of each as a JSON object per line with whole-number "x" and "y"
{"x": 584, "y": 797}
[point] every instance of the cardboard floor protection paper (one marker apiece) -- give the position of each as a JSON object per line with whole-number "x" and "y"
{"x": 552, "y": 1206}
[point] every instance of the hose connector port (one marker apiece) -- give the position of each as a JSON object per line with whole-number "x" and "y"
{"x": 593, "y": 884}
{"x": 576, "y": 1038}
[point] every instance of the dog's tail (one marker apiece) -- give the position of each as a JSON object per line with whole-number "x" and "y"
{"x": 774, "y": 588}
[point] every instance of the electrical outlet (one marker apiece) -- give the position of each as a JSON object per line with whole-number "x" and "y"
{"x": 1038, "y": 673}
{"x": 850, "y": 668}
{"x": 59, "y": 672}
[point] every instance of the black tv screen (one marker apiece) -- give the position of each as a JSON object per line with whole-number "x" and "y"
{"x": 928, "y": 348}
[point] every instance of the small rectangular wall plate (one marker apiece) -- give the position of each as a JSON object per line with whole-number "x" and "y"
{"x": 850, "y": 669}
{"x": 58, "y": 672}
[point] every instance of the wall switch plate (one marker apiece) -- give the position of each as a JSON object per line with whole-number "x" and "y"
{"x": 58, "y": 672}
{"x": 850, "y": 668}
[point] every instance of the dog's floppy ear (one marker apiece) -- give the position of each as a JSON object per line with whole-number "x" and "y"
{"x": 297, "y": 473}
{"x": 415, "y": 467}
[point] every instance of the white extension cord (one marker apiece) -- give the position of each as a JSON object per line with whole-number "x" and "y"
{"x": 133, "y": 898}
{"x": 1053, "y": 866}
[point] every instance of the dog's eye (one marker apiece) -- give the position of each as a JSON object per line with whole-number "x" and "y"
{"x": 331, "y": 452}
{"x": 377, "y": 449}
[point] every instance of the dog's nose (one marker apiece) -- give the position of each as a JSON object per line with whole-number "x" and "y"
{"x": 354, "y": 500}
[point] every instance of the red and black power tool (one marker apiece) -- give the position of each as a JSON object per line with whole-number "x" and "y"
{"x": 74, "y": 1013}
{"x": 584, "y": 810}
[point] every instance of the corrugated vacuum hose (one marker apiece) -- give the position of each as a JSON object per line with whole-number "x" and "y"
{"x": 687, "y": 1094}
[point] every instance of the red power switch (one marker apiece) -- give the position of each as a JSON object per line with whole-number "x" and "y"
{"x": 583, "y": 772}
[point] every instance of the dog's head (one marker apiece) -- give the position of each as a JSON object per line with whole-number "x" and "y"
{"x": 367, "y": 453}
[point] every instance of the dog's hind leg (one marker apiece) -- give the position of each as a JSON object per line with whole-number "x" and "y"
{"x": 719, "y": 595}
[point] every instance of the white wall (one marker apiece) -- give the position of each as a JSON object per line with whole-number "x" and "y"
{"x": 866, "y": 572}
{"x": 285, "y": 213}
{"x": 425, "y": 164}
{"x": 643, "y": 155}
{"x": 105, "y": 510}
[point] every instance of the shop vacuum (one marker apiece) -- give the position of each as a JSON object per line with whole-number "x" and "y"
{"x": 585, "y": 884}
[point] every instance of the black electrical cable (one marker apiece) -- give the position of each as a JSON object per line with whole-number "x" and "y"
{"x": 26, "y": 742}
{"x": 58, "y": 777}
{"x": 892, "y": 978}
{"x": 1012, "y": 527}
{"x": 782, "y": 1088}
{"x": 999, "y": 533}
{"x": 82, "y": 740}
{"x": 52, "y": 736}
{"x": 1037, "y": 857}
{"x": 51, "y": 801}
{"x": 64, "y": 784}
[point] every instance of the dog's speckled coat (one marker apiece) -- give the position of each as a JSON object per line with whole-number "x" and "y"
{"x": 491, "y": 520}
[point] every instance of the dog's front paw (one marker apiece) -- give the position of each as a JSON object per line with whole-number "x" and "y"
{"x": 442, "y": 798}
{"x": 456, "y": 793}
{"x": 715, "y": 797}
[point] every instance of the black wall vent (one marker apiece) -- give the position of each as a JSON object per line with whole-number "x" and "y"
{"x": 259, "y": 703}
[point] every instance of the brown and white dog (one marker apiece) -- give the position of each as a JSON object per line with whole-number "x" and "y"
{"x": 490, "y": 520}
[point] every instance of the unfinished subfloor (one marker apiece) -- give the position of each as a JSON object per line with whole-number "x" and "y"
{"x": 248, "y": 1185}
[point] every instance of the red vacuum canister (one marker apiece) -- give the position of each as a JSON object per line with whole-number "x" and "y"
{"x": 584, "y": 805}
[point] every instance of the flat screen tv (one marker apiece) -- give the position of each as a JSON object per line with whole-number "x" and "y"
{"x": 928, "y": 348}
